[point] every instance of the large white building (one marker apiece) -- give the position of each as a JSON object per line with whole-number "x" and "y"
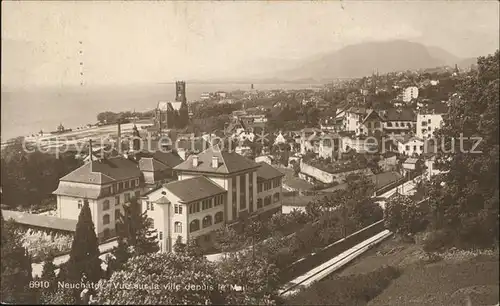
{"x": 427, "y": 124}
{"x": 214, "y": 188}
{"x": 410, "y": 93}
{"x": 108, "y": 184}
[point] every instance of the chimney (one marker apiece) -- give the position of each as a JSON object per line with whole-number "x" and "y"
{"x": 119, "y": 148}
{"x": 90, "y": 154}
{"x": 195, "y": 160}
{"x": 215, "y": 162}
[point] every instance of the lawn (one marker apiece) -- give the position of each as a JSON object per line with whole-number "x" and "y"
{"x": 457, "y": 278}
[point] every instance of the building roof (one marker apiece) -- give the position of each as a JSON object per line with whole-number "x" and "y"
{"x": 357, "y": 110}
{"x": 373, "y": 115}
{"x": 408, "y": 138}
{"x": 194, "y": 189}
{"x": 165, "y": 106}
{"x": 266, "y": 172}
{"x": 88, "y": 192}
{"x": 43, "y": 221}
{"x": 411, "y": 160}
{"x": 400, "y": 115}
{"x": 229, "y": 162}
{"x": 379, "y": 180}
{"x": 104, "y": 171}
{"x": 158, "y": 161}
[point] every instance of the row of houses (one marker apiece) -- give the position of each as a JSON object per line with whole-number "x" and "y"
{"x": 188, "y": 198}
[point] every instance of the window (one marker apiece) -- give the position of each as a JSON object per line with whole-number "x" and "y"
{"x": 276, "y": 197}
{"x": 429, "y": 128}
{"x": 120, "y": 186}
{"x": 152, "y": 206}
{"x": 137, "y": 194}
{"x": 147, "y": 205}
{"x": 117, "y": 214}
{"x": 377, "y": 124}
{"x": 414, "y": 148}
{"x": 259, "y": 203}
{"x": 219, "y": 217}
{"x": 429, "y": 121}
{"x": 105, "y": 205}
{"x": 206, "y": 204}
{"x": 80, "y": 204}
{"x": 219, "y": 200}
{"x": 259, "y": 187}
{"x": 117, "y": 200}
{"x": 126, "y": 185}
{"x": 389, "y": 124}
{"x": 396, "y": 124}
{"x": 361, "y": 130}
{"x": 177, "y": 227}
{"x": 127, "y": 197}
{"x": 267, "y": 200}
{"x": 160, "y": 235}
{"x": 178, "y": 209}
{"x": 194, "y": 207}
{"x": 105, "y": 219}
{"x": 137, "y": 182}
{"x": 207, "y": 221}
{"x": 408, "y": 124}
{"x": 194, "y": 225}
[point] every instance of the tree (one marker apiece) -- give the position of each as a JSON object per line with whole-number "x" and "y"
{"x": 162, "y": 279}
{"x": 227, "y": 239}
{"x": 466, "y": 201}
{"x": 136, "y": 229}
{"x": 84, "y": 263}
{"x": 258, "y": 279}
{"x": 404, "y": 216}
{"x": 49, "y": 272}
{"x": 15, "y": 267}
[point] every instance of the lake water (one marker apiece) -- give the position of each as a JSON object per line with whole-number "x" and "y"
{"x": 27, "y": 112}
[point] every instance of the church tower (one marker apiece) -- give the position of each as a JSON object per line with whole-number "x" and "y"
{"x": 180, "y": 91}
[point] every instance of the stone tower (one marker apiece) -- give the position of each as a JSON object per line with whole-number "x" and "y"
{"x": 180, "y": 91}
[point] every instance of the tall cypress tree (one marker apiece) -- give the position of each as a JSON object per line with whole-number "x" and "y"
{"x": 134, "y": 230}
{"x": 84, "y": 261}
{"x": 15, "y": 267}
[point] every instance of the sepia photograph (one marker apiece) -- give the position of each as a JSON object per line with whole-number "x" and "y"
{"x": 333, "y": 152}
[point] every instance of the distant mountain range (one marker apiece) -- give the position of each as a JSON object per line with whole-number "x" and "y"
{"x": 362, "y": 60}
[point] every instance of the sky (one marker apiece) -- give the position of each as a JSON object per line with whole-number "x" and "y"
{"x": 151, "y": 42}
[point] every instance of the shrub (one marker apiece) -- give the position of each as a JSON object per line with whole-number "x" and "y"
{"x": 405, "y": 216}
{"x": 41, "y": 245}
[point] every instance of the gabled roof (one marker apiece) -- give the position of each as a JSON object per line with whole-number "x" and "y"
{"x": 104, "y": 171}
{"x": 194, "y": 189}
{"x": 400, "y": 115}
{"x": 165, "y": 106}
{"x": 372, "y": 115}
{"x": 229, "y": 162}
{"x": 157, "y": 161}
{"x": 266, "y": 172}
{"x": 408, "y": 138}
